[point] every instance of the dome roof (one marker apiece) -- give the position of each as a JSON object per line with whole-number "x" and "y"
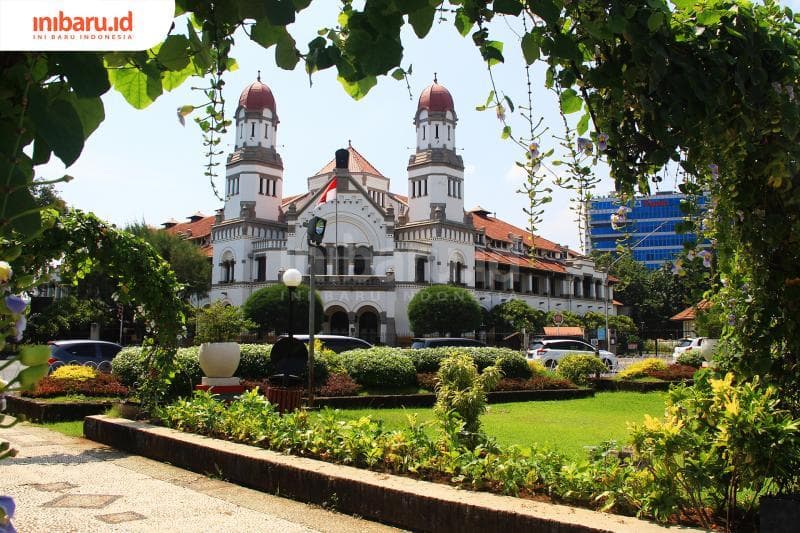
{"x": 436, "y": 98}
{"x": 257, "y": 96}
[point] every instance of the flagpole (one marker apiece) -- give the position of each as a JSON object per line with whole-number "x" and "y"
{"x": 336, "y": 230}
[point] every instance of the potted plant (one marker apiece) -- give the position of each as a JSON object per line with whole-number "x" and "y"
{"x": 219, "y": 326}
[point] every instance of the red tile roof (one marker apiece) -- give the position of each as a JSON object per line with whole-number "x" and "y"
{"x": 506, "y": 258}
{"x": 289, "y": 199}
{"x": 498, "y": 230}
{"x": 399, "y": 197}
{"x": 357, "y": 164}
{"x": 257, "y": 96}
{"x": 193, "y": 230}
{"x": 690, "y": 313}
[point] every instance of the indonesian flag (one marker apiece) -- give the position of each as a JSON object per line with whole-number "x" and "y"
{"x": 329, "y": 194}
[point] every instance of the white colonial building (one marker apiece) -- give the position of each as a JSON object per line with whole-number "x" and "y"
{"x": 380, "y": 248}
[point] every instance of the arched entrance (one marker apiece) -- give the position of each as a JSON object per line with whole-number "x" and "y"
{"x": 369, "y": 325}
{"x": 338, "y": 321}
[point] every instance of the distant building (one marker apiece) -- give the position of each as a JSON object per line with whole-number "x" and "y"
{"x": 380, "y": 247}
{"x": 649, "y": 227}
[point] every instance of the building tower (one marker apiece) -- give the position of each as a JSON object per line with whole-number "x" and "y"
{"x": 254, "y": 170}
{"x": 435, "y": 171}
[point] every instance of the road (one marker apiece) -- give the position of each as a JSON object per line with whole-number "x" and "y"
{"x": 62, "y": 483}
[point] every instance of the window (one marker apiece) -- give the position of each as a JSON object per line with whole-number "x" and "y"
{"x": 261, "y": 268}
{"x": 253, "y": 129}
{"x": 261, "y": 186}
{"x": 437, "y": 131}
{"x": 420, "y": 270}
{"x": 266, "y": 132}
{"x": 425, "y": 183}
{"x": 423, "y": 133}
{"x": 448, "y": 133}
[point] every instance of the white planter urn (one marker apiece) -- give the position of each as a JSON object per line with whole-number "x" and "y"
{"x": 219, "y": 359}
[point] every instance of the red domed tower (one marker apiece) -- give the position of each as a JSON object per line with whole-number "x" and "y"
{"x": 435, "y": 171}
{"x": 254, "y": 184}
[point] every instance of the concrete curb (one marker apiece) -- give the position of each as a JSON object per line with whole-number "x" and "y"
{"x": 396, "y": 500}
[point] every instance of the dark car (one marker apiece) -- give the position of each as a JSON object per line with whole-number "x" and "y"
{"x": 435, "y": 342}
{"x": 96, "y": 354}
{"x": 338, "y": 343}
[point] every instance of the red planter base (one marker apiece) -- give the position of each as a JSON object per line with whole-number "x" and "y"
{"x": 286, "y": 399}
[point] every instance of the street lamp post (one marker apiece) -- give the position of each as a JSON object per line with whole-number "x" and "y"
{"x": 292, "y": 279}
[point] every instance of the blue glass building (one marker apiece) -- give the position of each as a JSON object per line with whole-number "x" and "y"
{"x": 650, "y": 219}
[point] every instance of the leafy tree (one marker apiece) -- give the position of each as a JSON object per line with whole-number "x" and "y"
{"x": 69, "y": 317}
{"x": 191, "y": 266}
{"x": 570, "y": 319}
{"x": 445, "y": 310}
{"x": 269, "y": 309}
{"x": 516, "y": 315}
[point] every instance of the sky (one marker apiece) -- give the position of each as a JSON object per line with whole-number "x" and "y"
{"x": 143, "y": 165}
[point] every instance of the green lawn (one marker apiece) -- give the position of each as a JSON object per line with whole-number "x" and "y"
{"x": 73, "y": 428}
{"x": 566, "y": 425}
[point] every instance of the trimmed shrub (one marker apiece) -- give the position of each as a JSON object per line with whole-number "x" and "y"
{"x": 339, "y": 385}
{"x": 674, "y": 373}
{"x": 78, "y": 372}
{"x": 537, "y": 368}
{"x": 691, "y": 358}
{"x": 426, "y": 360}
{"x": 429, "y": 359}
{"x": 128, "y": 366}
{"x": 427, "y": 380}
{"x": 642, "y": 368}
{"x": 578, "y": 368}
{"x": 537, "y": 382}
{"x": 514, "y": 366}
{"x": 100, "y": 385}
{"x": 380, "y": 367}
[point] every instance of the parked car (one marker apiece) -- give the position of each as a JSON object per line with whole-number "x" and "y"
{"x": 96, "y": 354}
{"x": 435, "y": 342}
{"x": 550, "y": 351}
{"x": 337, "y": 343}
{"x": 704, "y": 345}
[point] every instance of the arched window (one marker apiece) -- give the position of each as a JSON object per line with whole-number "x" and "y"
{"x": 362, "y": 261}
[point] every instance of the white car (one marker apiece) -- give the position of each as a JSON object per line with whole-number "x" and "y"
{"x": 550, "y": 351}
{"x": 704, "y": 345}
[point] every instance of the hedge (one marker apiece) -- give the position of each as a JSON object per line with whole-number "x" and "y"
{"x": 380, "y": 367}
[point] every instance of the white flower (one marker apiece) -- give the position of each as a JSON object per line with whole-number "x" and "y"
{"x": 5, "y": 272}
{"x": 602, "y": 141}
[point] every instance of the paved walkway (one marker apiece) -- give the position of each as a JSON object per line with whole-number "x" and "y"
{"x": 62, "y": 483}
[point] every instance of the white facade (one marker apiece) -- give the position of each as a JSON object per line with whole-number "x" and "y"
{"x": 379, "y": 248}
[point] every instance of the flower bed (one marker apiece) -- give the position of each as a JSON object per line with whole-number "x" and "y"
{"x": 100, "y": 385}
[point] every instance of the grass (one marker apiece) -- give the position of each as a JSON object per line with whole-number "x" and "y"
{"x": 73, "y": 428}
{"x": 564, "y": 425}
{"x": 78, "y": 398}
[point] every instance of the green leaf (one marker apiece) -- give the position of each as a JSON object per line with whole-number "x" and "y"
{"x": 34, "y": 355}
{"x": 570, "y": 101}
{"x": 463, "y": 23}
{"x": 359, "y": 89}
{"x": 20, "y": 201}
{"x": 492, "y": 52}
{"x": 547, "y": 9}
{"x": 60, "y": 125}
{"x": 709, "y": 17}
{"x": 41, "y": 151}
{"x": 85, "y": 71}
{"x": 583, "y": 124}
{"x": 265, "y": 33}
{"x": 510, "y": 103}
{"x": 490, "y": 98}
{"x": 201, "y": 58}
{"x": 422, "y": 20}
{"x": 174, "y": 53}
{"x": 399, "y": 74}
{"x": 506, "y": 132}
{"x": 655, "y": 20}
{"x": 172, "y": 79}
{"x": 90, "y": 111}
{"x": 508, "y": 7}
{"x": 565, "y": 47}
{"x": 280, "y": 12}
{"x": 133, "y": 84}
{"x": 286, "y": 55}
{"x": 530, "y": 47}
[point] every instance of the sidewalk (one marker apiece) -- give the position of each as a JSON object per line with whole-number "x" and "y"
{"x": 62, "y": 483}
